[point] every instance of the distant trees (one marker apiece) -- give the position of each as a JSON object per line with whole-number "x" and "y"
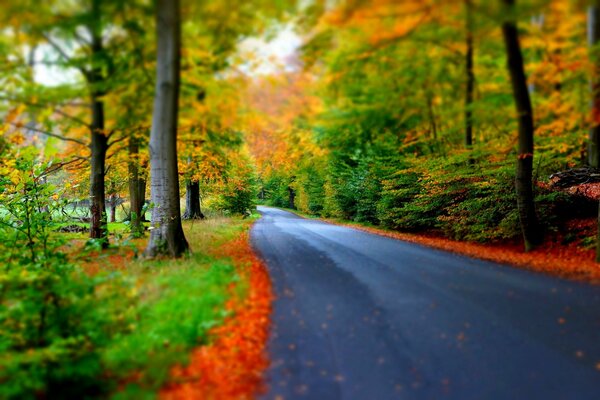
{"x": 403, "y": 118}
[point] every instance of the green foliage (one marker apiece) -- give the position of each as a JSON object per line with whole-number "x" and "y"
{"x": 356, "y": 184}
{"x": 276, "y": 190}
{"x": 53, "y": 319}
{"x": 239, "y": 192}
{"x": 66, "y": 334}
{"x": 464, "y": 196}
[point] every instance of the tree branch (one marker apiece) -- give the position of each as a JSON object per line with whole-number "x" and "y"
{"x": 54, "y": 135}
{"x": 39, "y": 105}
{"x": 63, "y": 54}
{"x": 55, "y": 167}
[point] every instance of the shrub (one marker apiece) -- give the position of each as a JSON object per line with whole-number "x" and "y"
{"x": 52, "y": 319}
{"x": 239, "y": 191}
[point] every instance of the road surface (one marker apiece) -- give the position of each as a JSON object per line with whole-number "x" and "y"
{"x": 360, "y": 316}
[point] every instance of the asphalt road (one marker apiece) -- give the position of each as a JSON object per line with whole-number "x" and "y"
{"x": 359, "y": 316}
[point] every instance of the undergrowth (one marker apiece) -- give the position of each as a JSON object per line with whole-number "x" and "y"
{"x": 97, "y": 325}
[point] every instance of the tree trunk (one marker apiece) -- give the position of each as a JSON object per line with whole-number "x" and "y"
{"x": 192, "y": 201}
{"x": 142, "y": 198}
{"x": 594, "y": 135}
{"x": 292, "y": 198}
{"x": 594, "y": 40}
{"x": 166, "y": 237}
{"x": 137, "y": 190}
{"x": 99, "y": 146}
{"x": 113, "y": 207}
{"x": 470, "y": 75}
{"x": 532, "y": 233}
{"x": 431, "y": 114}
{"x": 98, "y": 225}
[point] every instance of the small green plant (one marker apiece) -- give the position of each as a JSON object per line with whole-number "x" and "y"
{"x": 52, "y": 321}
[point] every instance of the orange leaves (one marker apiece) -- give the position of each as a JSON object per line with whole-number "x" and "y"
{"x": 231, "y": 367}
{"x": 276, "y": 104}
{"x": 13, "y": 114}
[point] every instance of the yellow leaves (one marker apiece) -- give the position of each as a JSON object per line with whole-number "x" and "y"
{"x": 16, "y": 138}
{"x": 14, "y": 114}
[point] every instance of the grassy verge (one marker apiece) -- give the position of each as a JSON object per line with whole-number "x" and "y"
{"x": 114, "y": 325}
{"x": 179, "y": 302}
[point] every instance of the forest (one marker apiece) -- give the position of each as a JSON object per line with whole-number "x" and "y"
{"x": 138, "y": 137}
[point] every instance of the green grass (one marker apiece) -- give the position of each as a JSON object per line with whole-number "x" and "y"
{"x": 138, "y": 321}
{"x": 179, "y": 302}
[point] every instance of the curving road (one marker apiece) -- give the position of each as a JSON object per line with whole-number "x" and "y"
{"x": 359, "y": 316}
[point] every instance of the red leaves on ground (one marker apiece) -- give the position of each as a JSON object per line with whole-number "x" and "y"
{"x": 231, "y": 367}
{"x": 589, "y": 190}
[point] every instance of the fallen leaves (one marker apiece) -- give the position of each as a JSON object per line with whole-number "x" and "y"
{"x": 231, "y": 367}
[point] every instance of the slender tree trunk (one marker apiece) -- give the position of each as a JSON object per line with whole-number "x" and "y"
{"x": 142, "y": 198}
{"x": 292, "y": 198}
{"x": 431, "y": 114}
{"x": 99, "y": 146}
{"x": 166, "y": 237}
{"x": 98, "y": 226}
{"x": 594, "y": 135}
{"x": 192, "y": 201}
{"x": 470, "y": 75}
{"x": 594, "y": 41}
{"x": 113, "y": 207}
{"x": 136, "y": 195}
{"x": 532, "y": 233}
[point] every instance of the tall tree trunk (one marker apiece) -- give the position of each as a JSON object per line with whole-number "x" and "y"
{"x": 137, "y": 189}
{"x": 192, "y": 201}
{"x": 470, "y": 75}
{"x": 113, "y": 207}
{"x": 431, "y": 114}
{"x": 594, "y": 135}
{"x": 99, "y": 146}
{"x": 532, "y": 233}
{"x": 594, "y": 41}
{"x": 142, "y": 198}
{"x": 292, "y": 198}
{"x": 166, "y": 237}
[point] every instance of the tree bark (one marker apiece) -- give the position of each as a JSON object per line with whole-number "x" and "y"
{"x": 99, "y": 146}
{"x": 532, "y": 233}
{"x": 594, "y": 40}
{"x": 193, "y": 209}
{"x": 137, "y": 190}
{"x": 98, "y": 225}
{"x": 594, "y": 135}
{"x": 470, "y": 75}
{"x": 166, "y": 237}
{"x": 142, "y": 198}
{"x": 292, "y": 198}
{"x": 113, "y": 207}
